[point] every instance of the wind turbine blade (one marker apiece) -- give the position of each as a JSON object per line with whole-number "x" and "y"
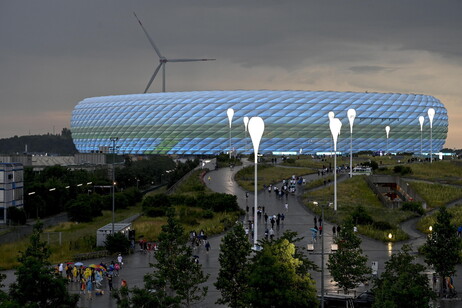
{"x": 149, "y": 38}
{"x": 189, "y": 60}
{"x": 153, "y": 76}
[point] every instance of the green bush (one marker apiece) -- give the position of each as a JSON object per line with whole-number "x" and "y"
{"x": 208, "y": 214}
{"x": 155, "y": 211}
{"x": 415, "y": 207}
{"x": 373, "y": 164}
{"x": 117, "y": 243}
{"x": 382, "y": 225}
{"x": 403, "y": 170}
{"x": 360, "y": 216}
{"x": 157, "y": 200}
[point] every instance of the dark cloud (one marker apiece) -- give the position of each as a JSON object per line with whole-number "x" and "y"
{"x": 54, "y": 53}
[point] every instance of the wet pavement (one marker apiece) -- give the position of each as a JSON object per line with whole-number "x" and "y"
{"x": 297, "y": 218}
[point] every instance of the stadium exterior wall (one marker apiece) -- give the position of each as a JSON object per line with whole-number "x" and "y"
{"x": 197, "y": 123}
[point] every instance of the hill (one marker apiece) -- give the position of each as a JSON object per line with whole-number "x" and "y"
{"x": 60, "y": 144}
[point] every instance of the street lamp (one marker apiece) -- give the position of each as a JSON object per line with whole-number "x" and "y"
{"x": 387, "y": 130}
{"x": 431, "y": 114}
{"x": 230, "y": 113}
{"x": 113, "y": 140}
{"x": 335, "y": 125}
{"x": 256, "y": 129}
{"x": 421, "y": 121}
{"x": 351, "y": 113}
{"x": 246, "y": 124}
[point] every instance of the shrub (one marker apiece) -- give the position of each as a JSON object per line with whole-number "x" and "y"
{"x": 403, "y": 170}
{"x": 415, "y": 207}
{"x": 154, "y": 211}
{"x": 16, "y": 215}
{"x": 382, "y": 225}
{"x": 373, "y": 164}
{"x": 158, "y": 200}
{"x": 360, "y": 216}
{"x": 117, "y": 243}
{"x": 208, "y": 214}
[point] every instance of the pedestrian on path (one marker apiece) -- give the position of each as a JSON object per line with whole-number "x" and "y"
{"x": 287, "y": 206}
{"x": 333, "y": 231}
{"x": 207, "y": 246}
{"x": 271, "y": 233}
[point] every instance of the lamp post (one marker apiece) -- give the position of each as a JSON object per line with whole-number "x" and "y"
{"x": 230, "y": 113}
{"x": 246, "y": 124}
{"x": 256, "y": 129}
{"x": 421, "y": 121}
{"x": 387, "y": 130}
{"x": 351, "y": 113}
{"x": 335, "y": 125}
{"x": 113, "y": 140}
{"x": 431, "y": 114}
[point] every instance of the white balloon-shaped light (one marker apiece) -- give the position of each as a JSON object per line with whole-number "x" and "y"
{"x": 256, "y": 129}
{"x": 351, "y": 113}
{"x": 335, "y": 126}
{"x": 230, "y": 113}
{"x": 421, "y": 121}
{"x": 331, "y": 115}
{"x": 431, "y": 114}
{"x": 246, "y": 122}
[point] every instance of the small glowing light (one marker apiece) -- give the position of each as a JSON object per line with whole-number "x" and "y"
{"x": 390, "y": 236}
{"x": 430, "y": 228}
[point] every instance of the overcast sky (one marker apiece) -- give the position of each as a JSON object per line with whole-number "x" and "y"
{"x": 54, "y": 54}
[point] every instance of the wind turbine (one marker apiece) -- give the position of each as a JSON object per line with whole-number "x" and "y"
{"x": 162, "y": 60}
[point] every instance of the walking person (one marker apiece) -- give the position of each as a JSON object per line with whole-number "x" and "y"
{"x": 271, "y": 233}
{"x": 287, "y": 206}
{"x": 207, "y": 246}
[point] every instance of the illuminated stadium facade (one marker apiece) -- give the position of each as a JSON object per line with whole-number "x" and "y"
{"x": 193, "y": 123}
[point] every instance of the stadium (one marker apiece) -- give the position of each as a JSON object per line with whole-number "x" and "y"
{"x": 196, "y": 123}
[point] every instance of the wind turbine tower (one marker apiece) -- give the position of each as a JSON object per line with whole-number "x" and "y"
{"x": 162, "y": 60}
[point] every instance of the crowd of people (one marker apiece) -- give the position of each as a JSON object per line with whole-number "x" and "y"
{"x": 90, "y": 278}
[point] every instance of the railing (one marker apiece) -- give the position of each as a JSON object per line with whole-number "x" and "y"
{"x": 91, "y": 255}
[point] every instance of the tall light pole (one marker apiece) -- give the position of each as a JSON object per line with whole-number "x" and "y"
{"x": 387, "y": 131}
{"x": 246, "y": 124}
{"x": 431, "y": 114}
{"x": 114, "y": 140}
{"x": 351, "y": 113}
{"x": 256, "y": 129}
{"x": 421, "y": 121}
{"x": 230, "y": 113}
{"x": 335, "y": 126}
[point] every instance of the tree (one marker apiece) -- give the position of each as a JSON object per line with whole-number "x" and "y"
{"x": 403, "y": 284}
{"x": 177, "y": 278}
{"x": 36, "y": 285}
{"x": 347, "y": 265}
{"x": 275, "y": 278}
{"x": 117, "y": 243}
{"x": 442, "y": 249}
{"x": 233, "y": 275}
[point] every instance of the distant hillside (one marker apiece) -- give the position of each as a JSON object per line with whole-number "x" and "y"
{"x": 52, "y": 144}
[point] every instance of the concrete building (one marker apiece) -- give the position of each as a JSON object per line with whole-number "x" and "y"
{"x": 11, "y": 188}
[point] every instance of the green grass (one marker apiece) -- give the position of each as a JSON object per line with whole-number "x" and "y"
{"x": 430, "y": 220}
{"x": 150, "y": 227}
{"x": 440, "y": 171}
{"x": 76, "y": 238}
{"x": 350, "y": 194}
{"x": 436, "y": 195}
{"x": 267, "y": 174}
